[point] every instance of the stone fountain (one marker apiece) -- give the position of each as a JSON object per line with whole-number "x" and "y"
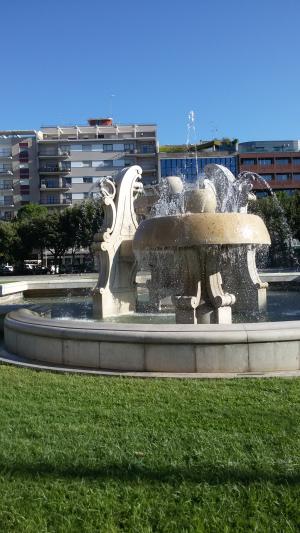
{"x": 202, "y": 255}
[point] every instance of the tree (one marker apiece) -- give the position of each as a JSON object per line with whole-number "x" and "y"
{"x": 31, "y": 211}
{"x": 9, "y": 242}
{"x": 29, "y": 222}
{"x": 55, "y": 235}
{"x": 91, "y": 218}
{"x": 281, "y": 214}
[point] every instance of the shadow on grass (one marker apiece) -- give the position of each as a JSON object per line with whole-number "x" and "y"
{"x": 130, "y": 472}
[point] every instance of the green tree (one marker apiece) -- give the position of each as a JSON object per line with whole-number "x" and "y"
{"x": 91, "y": 218}
{"x": 31, "y": 211}
{"x": 9, "y": 242}
{"x": 280, "y": 213}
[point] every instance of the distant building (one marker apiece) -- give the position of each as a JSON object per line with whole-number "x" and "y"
{"x": 73, "y": 158}
{"x": 277, "y": 162}
{"x": 190, "y": 166}
{"x": 59, "y": 166}
{"x": 19, "y": 182}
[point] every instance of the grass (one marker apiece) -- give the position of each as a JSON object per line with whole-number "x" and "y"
{"x": 113, "y": 454}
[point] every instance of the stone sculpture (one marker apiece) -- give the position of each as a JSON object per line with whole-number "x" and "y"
{"x": 115, "y": 293}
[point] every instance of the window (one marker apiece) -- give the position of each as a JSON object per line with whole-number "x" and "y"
{"x": 52, "y": 199}
{"x": 5, "y": 152}
{"x": 5, "y": 168}
{"x": 6, "y": 184}
{"x": 107, "y": 148}
{"x": 8, "y": 200}
{"x": 147, "y": 148}
{"x": 97, "y": 147}
{"x": 118, "y": 163}
{"x": 76, "y": 147}
{"x": 23, "y": 145}
{"x": 296, "y": 177}
{"x": 80, "y": 164}
{"x": 265, "y": 162}
{"x": 86, "y": 147}
{"x": 267, "y": 177}
{"x": 282, "y": 161}
{"x": 261, "y": 194}
{"x": 23, "y": 156}
{"x": 87, "y": 179}
{"x": 282, "y": 177}
{"x": 101, "y": 164}
{"x": 296, "y": 161}
{"x": 129, "y": 147}
{"x": 24, "y": 173}
{"x": 248, "y": 161}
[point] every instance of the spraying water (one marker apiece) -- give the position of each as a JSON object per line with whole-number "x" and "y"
{"x": 191, "y": 139}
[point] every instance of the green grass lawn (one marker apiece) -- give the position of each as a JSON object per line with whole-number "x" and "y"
{"x": 84, "y": 454}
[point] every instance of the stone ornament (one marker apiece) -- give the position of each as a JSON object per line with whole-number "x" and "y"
{"x": 115, "y": 293}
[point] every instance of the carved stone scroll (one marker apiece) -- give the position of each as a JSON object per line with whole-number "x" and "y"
{"x": 115, "y": 293}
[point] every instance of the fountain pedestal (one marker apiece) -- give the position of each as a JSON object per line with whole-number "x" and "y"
{"x": 206, "y": 262}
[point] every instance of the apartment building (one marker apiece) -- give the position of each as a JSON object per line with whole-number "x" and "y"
{"x": 19, "y": 182}
{"x": 72, "y": 159}
{"x": 277, "y": 162}
{"x": 59, "y": 166}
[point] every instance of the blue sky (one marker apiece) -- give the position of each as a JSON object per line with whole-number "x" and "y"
{"x": 234, "y": 63}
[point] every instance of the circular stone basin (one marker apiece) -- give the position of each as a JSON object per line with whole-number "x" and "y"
{"x": 166, "y": 348}
{"x": 194, "y": 229}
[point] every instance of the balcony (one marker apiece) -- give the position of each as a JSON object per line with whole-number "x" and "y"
{"x": 55, "y": 202}
{"x": 46, "y": 186}
{"x": 6, "y": 171}
{"x": 54, "y": 170}
{"x": 57, "y": 154}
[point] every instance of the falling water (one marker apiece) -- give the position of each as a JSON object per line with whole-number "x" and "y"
{"x": 288, "y": 236}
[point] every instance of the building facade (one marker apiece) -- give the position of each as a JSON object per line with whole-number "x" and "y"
{"x": 60, "y": 166}
{"x": 19, "y": 181}
{"x": 277, "y": 162}
{"x": 189, "y": 166}
{"x": 71, "y": 160}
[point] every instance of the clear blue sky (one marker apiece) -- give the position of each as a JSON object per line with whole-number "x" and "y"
{"x": 234, "y": 63}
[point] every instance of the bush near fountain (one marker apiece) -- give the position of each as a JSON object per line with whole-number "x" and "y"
{"x": 91, "y": 454}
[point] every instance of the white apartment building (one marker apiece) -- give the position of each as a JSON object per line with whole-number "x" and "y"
{"x": 59, "y": 166}
{"x": 72, "y": 159}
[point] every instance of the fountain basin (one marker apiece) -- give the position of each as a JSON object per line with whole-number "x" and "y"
{"x": 169, "y": 348}
{"x": 194, "y": 229}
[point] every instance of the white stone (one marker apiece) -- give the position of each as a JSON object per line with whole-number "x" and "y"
{"x": 122, "y": 356}
{"x": 170, "y": 358}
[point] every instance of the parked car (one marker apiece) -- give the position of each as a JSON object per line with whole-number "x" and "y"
{"x": 6, "y": 269}
{"x": 39, "y": 269}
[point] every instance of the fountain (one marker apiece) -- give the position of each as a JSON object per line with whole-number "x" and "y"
{"x": 201, "y": 256}
{"x": 205, "y": 259}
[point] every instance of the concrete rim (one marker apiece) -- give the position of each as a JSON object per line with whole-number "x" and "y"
{"x": 155, "y": 348}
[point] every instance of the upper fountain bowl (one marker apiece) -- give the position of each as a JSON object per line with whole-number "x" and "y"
{"x": 194, "y": 229}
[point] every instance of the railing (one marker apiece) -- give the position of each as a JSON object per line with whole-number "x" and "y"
{"x": 57, "y": 169}
{"x": 5, "y": 171}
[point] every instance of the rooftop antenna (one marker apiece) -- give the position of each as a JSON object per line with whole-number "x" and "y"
{"x": 111, "y": 105}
